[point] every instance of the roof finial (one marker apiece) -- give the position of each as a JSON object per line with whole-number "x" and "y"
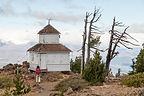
{"x": 49, "y": 21}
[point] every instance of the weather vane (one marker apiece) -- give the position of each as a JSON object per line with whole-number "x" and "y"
{"x": 49, "y": 20}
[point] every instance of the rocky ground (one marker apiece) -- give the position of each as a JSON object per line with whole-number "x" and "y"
{"x": 49, "y": 80}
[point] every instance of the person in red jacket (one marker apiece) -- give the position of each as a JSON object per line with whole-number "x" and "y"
{"x": 37, "y": 72}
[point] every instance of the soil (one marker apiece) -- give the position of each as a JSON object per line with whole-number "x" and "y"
{"x": 49, "y": 80}
{"x": 113, "y": 89}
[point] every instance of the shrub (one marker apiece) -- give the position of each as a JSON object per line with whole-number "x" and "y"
{"x": 4, "y": 80}
{"x": 20, "y": 87}
{"x": 136, "y": 80}
{"x": 76, "y": 65}
{"x": 7, "y": 90}
{"x": 138, "y": 65}
{"x": 95, "y": 73}
{"x": 76, "y": 83}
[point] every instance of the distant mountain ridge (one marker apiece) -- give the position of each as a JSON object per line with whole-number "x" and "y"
{"x": 2, "y": 43}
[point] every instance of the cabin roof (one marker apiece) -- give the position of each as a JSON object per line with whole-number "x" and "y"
{"x": 48, "y": 30}
{"x": 49, "y": 48}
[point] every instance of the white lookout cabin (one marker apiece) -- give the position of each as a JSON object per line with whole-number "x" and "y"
{"x": 49, "y": 54}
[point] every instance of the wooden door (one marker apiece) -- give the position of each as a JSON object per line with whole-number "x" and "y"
{"x": 43, "y": 61}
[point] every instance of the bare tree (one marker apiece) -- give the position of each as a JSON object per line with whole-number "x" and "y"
{"x": 92, "y": 41}
{"x": 84, "y": 41}
{"x": 117, "y": 38}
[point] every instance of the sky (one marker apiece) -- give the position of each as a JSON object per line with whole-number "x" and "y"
{"x": 20, "y": 21}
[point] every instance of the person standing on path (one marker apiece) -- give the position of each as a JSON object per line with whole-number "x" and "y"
{"x": 37, "y": 73}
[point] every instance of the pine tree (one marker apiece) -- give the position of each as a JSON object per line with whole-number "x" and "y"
{"x": 20, "y": 87}
{"x": 76, "y": 65}
{"x": 95, "y": 72}
{"x": 140, "y": 61}
{"x": 133, "y": 66}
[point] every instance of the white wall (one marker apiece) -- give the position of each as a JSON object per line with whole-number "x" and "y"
{"x": 49, "y": 38}
{"x": 33, "y": 60}
{"x": 58, "y": 61}
{"x": 52, "y": 61}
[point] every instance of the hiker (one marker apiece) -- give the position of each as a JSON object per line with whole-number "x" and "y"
{"x": 37, "y": 73}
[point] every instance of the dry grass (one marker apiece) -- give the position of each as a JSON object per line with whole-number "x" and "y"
{"x": 4, "y": 80}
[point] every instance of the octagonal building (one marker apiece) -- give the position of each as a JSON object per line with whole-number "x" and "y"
{"x": 49, "y": 54}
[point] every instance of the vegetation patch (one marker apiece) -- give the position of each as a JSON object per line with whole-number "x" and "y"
{"x": 136, "y": 80}
{"x": 4, "y": 80}
{"x": 76, "y": 83}
{"x": 76, "y": 65}
{"x": 95, "y": 73}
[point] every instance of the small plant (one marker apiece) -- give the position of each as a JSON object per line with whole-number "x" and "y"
{"x": 95, "y": 73}
{"x": 20, "y": 87}
{"x": 136, "y": 80}
{"x": 7, "y": 91}
{"x": 4, "y": 80}
{"x": 76, "y": 83}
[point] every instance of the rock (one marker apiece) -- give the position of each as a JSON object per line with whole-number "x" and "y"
{"x": 25, "y": 64}
{"x": 8, "y": 67}
{"x": 68, "y": 92}
{"x": 54, "y": 94}
{"x": 93, "y": 95}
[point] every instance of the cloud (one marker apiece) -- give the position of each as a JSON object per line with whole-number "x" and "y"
{"x": 6, "y": 8}
{"x": 136, "y": 28}
{"x": 18, "y": 36}
{"x": 13, "y": 53}
{"x": 58, "y": 16}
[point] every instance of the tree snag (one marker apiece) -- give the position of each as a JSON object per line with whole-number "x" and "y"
{"x": 93, "y": 30}
{"x": 117, "y": 38}
{"x": 84, "y": 41}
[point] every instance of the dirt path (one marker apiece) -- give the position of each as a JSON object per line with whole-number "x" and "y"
{"x": 45, "y": 88}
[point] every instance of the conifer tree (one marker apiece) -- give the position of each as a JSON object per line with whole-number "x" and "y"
{"x": 140, "y": 61}
{"x": 95, "y": 72}
{"x": 133, "y": 66}
{"x": 20, "y": 87}
{"x": 76, "y": 65}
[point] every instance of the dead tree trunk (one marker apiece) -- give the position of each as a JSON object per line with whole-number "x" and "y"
{"x": 84, "y": 42}
{"x": 115, "y": 39}
{"x": 95, "y": 18}
{"x": 108, "y": 58}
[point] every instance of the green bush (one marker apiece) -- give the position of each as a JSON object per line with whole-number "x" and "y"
{"x": 76, "y": 65}
{"x": 20, "y": 87}
{"x": 136, "y": 80}
{"x": 95, "y": 73}
{"x": 4, "y": 80}
{"x": 76, "y": 83}
{"x": 140, "y": 61}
